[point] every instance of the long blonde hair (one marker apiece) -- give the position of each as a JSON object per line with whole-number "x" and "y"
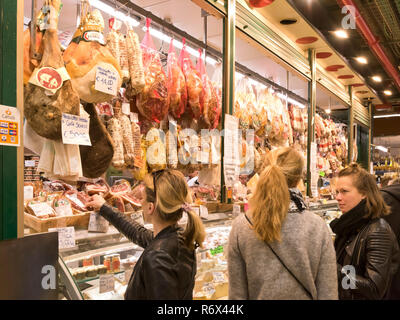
{"x": 172, "y": 194}
{"x": 282, "y": 169}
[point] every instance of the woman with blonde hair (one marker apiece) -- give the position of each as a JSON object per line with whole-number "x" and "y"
{"x": 167, "y": 266}
{"x": 366, "y": 247}
{"x": 278, "y": 250}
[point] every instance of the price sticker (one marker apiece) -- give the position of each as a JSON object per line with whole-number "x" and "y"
{"x": 66, "y": 237}
{"x": 107, "y": 283}
{"x": 203, "y": 212}
{"x": 75, "y": 130}
{"x": 97, "y": 223}
{"x": 217, "y": 250}
{"x": 106, "y": 81}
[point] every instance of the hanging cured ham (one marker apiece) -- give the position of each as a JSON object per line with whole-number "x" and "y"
{"x": 49, "y": 92}
{"x": 86, "y": 53}
{"x": 96, "y": 158}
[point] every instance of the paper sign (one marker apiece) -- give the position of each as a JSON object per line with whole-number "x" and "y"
{"x": 66, "y": 237}
{"x": 9, "y": 126}
{"x": 236, "y": 210}
{"x": 203, "y": 212}
{"x": 75, "y": 130}
{"x": 106, "y": 283}
{"x": 29, "y": 163}
{"x": 126, "y": 109}
{"x": 106, "y": 81}
{"x": 41, "y": 209}
{"x": 97, "y": 223}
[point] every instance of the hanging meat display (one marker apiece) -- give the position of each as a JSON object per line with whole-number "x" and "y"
{"x": 96, "y": 158}
{"x": 152, "y": 101}
{"x": 135, "y": 61}
{"x": 193, "y": 82}
{"x": 177, "y": 91}
{"x": 87, "y": 53}
{"x": 49, "y": 92}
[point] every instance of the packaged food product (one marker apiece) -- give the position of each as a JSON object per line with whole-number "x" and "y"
{"x": 116, "y": 263}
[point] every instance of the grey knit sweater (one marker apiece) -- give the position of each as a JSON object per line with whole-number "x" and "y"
{"x": 307, "y": 250}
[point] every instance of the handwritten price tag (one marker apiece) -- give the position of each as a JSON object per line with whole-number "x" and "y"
{"x": 106, "y": 81}
{"x": 97, "y": 223}
{"x": 66, "y": 237}
{"x": 75, "y": 130}
{"x": 106, "y": 283}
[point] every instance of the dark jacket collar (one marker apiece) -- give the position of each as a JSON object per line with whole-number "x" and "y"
{"x": 167, "y": 231}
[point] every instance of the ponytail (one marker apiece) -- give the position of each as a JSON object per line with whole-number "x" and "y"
{"x": 194, "y": 233}
{"x": 269, "y": 204}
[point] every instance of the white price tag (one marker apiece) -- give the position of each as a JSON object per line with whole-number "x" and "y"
{"x": 66, "y": 237}
{"x": 126, "y": 109}
{"x": 236, "y": 210}
{"x": 106, "y": 81}
{"x": 203, "y": 212}
{"x": 106, "y": 283}
{"x": 134, "y": 117}
{"x": 29, "y": 163}
{"x": 97, "y": 223}
{"x": 75, "y": 130}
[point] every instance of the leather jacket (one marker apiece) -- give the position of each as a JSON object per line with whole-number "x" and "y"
{"x": 374, "y": 253}
{"x": 166, "y": 269}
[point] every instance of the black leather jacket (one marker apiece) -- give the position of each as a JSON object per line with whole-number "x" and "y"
{"x": 374, "y": 253}
{"x": 166, "y": 268}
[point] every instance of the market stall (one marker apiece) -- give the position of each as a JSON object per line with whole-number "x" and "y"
{"x": 114, "y": 92}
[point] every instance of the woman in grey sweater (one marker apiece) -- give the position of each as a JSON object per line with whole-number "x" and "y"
{"x": 279, "y": 250}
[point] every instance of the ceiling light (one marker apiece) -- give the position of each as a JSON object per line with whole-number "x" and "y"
{"x": 387, "y": 116}
{"x": 362, "y": 60}
{"x": 387, "y": 92}
{"x": 179, "y": 45}
{"x": 382, "y": 148}
{"x": 377, "y": 78}
{"x": 113, "y": 12}
{"x": 341, "y": 34}
{"x": 328, "y": 111}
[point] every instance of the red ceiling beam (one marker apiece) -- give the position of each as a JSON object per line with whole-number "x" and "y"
{"x": 373, "y": 42}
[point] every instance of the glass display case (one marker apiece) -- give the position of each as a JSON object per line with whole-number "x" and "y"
{"x": 87, "y": 269}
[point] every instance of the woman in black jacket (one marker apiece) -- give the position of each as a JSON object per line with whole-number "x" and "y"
{"x": 367, "y": 251}
{"x": 167, "y": 266}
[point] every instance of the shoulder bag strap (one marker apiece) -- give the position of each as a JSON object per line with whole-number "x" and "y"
{"x": 285, "y": 266}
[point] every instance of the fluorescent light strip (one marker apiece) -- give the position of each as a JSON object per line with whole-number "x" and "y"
{"x": 115, "y": 13}
{"x": 179, "y": 45}
{"x": 387, "y": 116}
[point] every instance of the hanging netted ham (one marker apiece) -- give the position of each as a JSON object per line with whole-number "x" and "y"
{"x": 96, "y": 158}
{"x": 49, "y": 92}
{"x": 86, "y": 53}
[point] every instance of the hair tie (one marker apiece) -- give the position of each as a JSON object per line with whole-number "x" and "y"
{"x": 186, "y": 207}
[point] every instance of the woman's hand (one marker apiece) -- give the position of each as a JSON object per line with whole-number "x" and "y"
{"x": 96, "y": 202}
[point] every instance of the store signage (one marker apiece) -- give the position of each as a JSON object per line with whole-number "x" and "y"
{"x": 66, "y": 237}
{"x": 9, "y": 126}
{"x": 106, "y": 283}
{"x": 106, "y": 81}
{"x": 97, "y": 223}
{"x": 75, "y": 130}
